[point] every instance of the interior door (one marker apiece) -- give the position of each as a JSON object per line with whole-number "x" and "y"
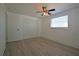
{"x": 21, "y": 27}
{"x": 14, "y": 27}
{"x": 29, "y": 27}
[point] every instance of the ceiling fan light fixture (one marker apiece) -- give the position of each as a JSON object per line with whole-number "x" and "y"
{"x": 45, "y": 11}
{"x": 45, "y": 14}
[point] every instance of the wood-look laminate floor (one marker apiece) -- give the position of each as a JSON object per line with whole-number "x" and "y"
{"x": 38, "y": 47}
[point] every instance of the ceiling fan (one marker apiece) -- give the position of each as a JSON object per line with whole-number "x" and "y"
{"x": 45, "y": 11}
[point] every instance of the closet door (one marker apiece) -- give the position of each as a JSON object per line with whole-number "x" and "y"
{"x": 29, "y": 28}
{"x": 21, "y": 27}
{"x": 14, "y": 27}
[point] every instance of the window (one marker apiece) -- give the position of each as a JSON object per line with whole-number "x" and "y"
{"x": 59, "y": 22}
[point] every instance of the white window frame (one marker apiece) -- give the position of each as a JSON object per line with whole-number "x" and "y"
{"x": 59, "y": 26}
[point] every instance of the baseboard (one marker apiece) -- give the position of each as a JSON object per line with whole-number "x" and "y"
{"x": 25, "y": 39}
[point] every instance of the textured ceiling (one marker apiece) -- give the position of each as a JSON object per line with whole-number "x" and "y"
{"x": 30, "y": 9}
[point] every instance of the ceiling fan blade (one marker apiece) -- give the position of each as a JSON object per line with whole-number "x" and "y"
{"x": 43, "y": 8}
{"x": 49, "y": 13}
{"x": 42, "y": 15}
{"x": 51, "y": 10}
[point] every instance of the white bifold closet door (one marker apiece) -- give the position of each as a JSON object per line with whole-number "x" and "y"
{"x": 30, "y": 28}
{"x": 21, "y": 27}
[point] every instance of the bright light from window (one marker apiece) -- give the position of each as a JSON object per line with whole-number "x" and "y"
{"x": 60, "y": 22}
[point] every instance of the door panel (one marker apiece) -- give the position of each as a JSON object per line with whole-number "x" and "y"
{"x": 21, "y": 27}
{"x": 14, "y": 29}
{"x": 29, "y": 28}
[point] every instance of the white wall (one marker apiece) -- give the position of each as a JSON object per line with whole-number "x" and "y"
{"x": 2, "y": 29}
{"x": 28, "y": 26}
{"x": 68, "y": 36}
